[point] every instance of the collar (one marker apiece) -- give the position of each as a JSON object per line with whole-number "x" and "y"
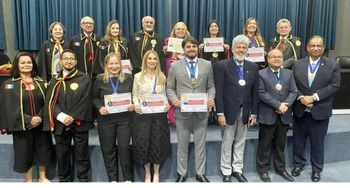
{"x": 278, "y": 37}
{"x": 195, "y": 60}
{"x": 273, "y": 70}
{"x": 314, "y": 62}
{"x": 83, "y": 36}
{"x": 64, "y": 74}
{"x": 54, "y": 41}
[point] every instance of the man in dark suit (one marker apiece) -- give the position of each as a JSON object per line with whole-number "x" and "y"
{"x": 290, "y": 45}
{"x": 236, "y": 84}
{"x": 190, "y": 75}
{"x": 277, "y": 93}
{"x": 317, "y": 78}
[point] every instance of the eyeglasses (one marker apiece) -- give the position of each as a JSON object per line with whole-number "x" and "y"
{"x": 68, "y": 58}
{"x": 87, "y": 23}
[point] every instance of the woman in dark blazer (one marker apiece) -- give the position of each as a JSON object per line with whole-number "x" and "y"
{"x": 114, "y": 126}
{"x": 22, "y": 100}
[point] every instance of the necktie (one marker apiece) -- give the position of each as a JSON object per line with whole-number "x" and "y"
{"x": 90, "y": 49}
{"x": 192, "y": 66}
{"x": 282, "y": 44}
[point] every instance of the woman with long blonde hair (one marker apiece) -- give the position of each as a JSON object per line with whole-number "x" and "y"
{"x": 150, "y": 133}
{"x": 114, "y": 126}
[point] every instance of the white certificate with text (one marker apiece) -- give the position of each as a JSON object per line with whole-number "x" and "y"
{"x": 152, "y": 103}
{"x": 194, "y": 102}
{"x": 213, "y": 44}
{"x": 256, "y": 55}
{"x": 116, "y": 103}
{"x": 175, "y": 45}
{"x": 126, "y": 66}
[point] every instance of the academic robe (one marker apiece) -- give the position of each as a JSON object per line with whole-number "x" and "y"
{"x": 79, "y": 46}
{"x": 74, "y": 99}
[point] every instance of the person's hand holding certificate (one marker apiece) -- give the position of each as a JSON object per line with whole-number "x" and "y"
{"x": 116, "y": 103}
{"x": 153, "y": 103}
{"x": 194, "y": 102}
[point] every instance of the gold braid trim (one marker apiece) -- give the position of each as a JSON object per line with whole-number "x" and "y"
{"x": 21, "y": 104}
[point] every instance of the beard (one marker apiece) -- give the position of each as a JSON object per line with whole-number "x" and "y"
{"x": 240, "y": 57}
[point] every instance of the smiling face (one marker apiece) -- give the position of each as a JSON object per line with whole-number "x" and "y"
{"x": 180, "y": 31}
{"x": 151, "y": 61}
{"x": 315, "y": 47}
{"x": 148, "y": 24}
{"x": 115, "y": 30}
{"x": 57, "y": 32}
{"x": 239, "y": 51}
{"x": 113, "y": 66}
{"x": 275, "y": 59}
{"x": 87, "y": 25}
{"x": 68, "y": 61}
{"x": 283, "y": 29}
{"x": 251, "y": 27}
{"x": 190, "y": 50}
{"x": 25, "y": 64}
{"x": 214, "y": 29}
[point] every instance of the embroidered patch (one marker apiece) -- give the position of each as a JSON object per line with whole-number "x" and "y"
{"x": 76, "y": 43}
{"x": 8, "y": 86}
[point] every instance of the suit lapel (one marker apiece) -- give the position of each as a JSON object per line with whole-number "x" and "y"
{"x": 232, "y": 68}
{"x": 320, "y": 71}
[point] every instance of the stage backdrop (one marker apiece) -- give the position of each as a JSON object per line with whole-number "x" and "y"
{"x": 308, "y": 17}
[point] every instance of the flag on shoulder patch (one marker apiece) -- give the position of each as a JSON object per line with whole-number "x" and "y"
{"x": 8, "y": 86}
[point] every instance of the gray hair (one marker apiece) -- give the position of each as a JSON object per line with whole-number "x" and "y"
{"x": 283, "y": 20}
{"x": 240, "y": 39}
{"x": 87, "y": 18}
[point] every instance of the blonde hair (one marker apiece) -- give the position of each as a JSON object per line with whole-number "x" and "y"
{"x": 106, "y": 76}
{"x": 179, "y": 24}
{"x": 257, "y": 34}
{"x": 158, "y": 73}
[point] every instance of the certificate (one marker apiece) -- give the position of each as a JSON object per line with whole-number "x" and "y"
{"x": 213, "y": 44}
{"x": 116, "y": 103}
{"x": 152, "y": 103}
{"x": 126, "y": 66}
{"x": 194, "y": 102}
{"x": 175, "y": 45}
{"x": 256, "y": 55}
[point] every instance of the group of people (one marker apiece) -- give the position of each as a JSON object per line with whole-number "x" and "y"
{"x": 85, "y": 74}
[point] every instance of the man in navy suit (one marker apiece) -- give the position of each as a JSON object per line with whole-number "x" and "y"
{"x": 236, "y": 84}
{"x": 317, "y": 78}
{"x": 277, "y": 93}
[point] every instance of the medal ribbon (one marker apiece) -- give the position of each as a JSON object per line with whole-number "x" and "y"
{"x": 313, "y": 67}
{"x": 277, "y": 77}
{"x": 114, "y": 86}
{"x": 155, "y": 85}
{"x": 240, "y": 72}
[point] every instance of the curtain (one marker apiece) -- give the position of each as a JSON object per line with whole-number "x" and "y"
{"x": 2, "y": 29}
{"x": 308, "y": 17}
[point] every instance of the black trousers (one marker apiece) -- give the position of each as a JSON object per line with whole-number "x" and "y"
{"x": 271, "y": 137}
{"x": 108, "y": 133}
{"x": 316, "y": 130}
{"x": 64, "y": 153}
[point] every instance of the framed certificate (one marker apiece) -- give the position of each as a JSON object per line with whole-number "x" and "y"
{"x": 256, "y": 55}
{"x": 194, "y": 102}
{"x": 126, "y": 66}
{"x": 116, "y": 103}
{"x": 174, "y": 45}
{"x": 213, "y": 44}
{"x": 152, "y": 103}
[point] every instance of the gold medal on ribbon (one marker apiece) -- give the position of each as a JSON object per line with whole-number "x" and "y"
{"x": 194, "y": 81}
{"x": 311, "y": 76}
{"x": 153, "y": 42}
{"x": 241, "y": 82}
{"x": 74, "y": 86}
{"x": 279, "y": 87}
{"x": 215, "y": 54}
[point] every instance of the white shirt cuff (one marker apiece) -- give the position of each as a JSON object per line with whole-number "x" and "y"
{"x": 315, "y": 97}
{"x": 61, "y": 117}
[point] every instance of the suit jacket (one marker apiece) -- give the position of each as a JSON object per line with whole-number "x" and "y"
{"x": 325, "y": 84}
{"x": 179, "y": 82}
{"x": 270, "y": 98}
{"x": 230, "y": 96}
